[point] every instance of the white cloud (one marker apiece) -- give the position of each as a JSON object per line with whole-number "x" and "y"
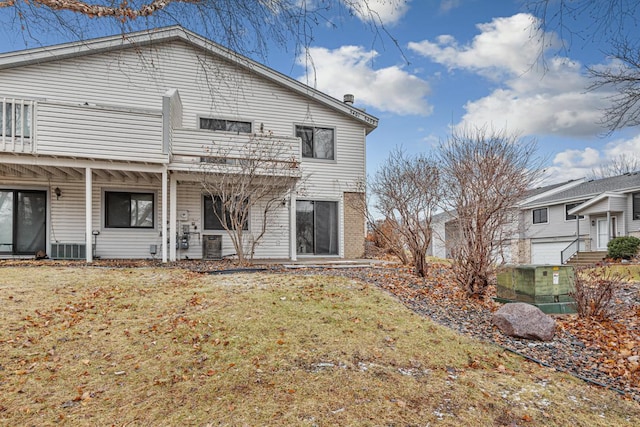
{"x": 572, "y": 164}
{"x": 387, "y": 12}
{"x": 348, "y": 70}
{"x": 448, "y": 5}
{"x": 530, "y": 98}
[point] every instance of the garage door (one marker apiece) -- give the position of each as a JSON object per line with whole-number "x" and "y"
{"x": 547, "y": 253}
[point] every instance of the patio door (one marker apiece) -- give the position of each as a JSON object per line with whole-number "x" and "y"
{"x": 22, "y": 221}
{"x": 602, "y": 226}
{"x": 316, "y": 227}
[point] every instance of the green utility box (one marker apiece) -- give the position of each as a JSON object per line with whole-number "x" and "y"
{"x": 545, "y": 286}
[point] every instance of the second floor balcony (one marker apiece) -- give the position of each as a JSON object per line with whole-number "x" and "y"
{"x": 117, "y": 133}
{"x": 81, "y": 131}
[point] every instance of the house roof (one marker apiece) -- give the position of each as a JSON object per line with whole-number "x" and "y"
{"x": 172, "y": 33}
{"x": 592, "y": 188}
{"x": 548, "y": 190}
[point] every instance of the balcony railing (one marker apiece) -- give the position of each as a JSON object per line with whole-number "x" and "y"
{"x": 16, "y": 125}
{"x": 220, "y": 152}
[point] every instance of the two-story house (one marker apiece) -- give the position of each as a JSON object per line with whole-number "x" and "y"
{"x": 102, "y": 144}
{"x": 582, "y": 218}
{"x": 515, "y": 245}
{"x": 554, "y": 223}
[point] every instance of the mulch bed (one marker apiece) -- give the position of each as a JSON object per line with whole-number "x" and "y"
{"x": 602, "y": 352}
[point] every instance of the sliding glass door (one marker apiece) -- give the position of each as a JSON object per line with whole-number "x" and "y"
{"x": 316, "y": 227}
{"x": 23, "y": 216}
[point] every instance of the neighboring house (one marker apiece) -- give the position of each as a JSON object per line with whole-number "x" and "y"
{"x": 516, "y": 243}
{"x": 102, "y": 144}
{"x": 588, "y": 214}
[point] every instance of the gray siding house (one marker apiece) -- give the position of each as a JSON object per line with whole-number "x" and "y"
{"x": 584, "y": 217}
{"x": 554, "y": 223}
{"x": 102, "y": 145}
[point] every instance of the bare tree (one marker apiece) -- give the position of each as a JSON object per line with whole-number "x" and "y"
{"x": 247, "y": 179}
{"x": 614, "y": 23}
{"x": 407, "y": 191}
{"x": 485, "y": 173}
{"x": 245, "y": 26}
{"x": 624, "y": 163}
{"x": 623, "y": 76}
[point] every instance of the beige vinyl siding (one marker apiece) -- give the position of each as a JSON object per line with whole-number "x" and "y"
{"x": 99, "y": 133}
{"x": 275, "y": 243}
{"x": 196, "y": 143}
{"x": 230, "y": 92}
{"x": 68, "y": 221}
{"x": 121, "y": 81}
{"x": 125, "y": 242}
{"x": 67, "y": 213}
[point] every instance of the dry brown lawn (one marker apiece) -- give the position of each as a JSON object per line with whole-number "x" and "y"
{"x": 152, "y": 346}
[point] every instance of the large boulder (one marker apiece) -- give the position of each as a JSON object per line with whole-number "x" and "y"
{"x": 522, "y": 320}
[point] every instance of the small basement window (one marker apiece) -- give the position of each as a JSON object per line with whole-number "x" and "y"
{"x": 225, "y": 125}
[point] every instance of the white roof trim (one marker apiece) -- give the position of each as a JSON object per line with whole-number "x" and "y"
{"x": 593, "y": 201}
{"x": 103, "y": 44}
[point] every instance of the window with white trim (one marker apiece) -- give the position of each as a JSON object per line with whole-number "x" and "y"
{"x": 570, "y": 206}
{"x": 317, "y": 143}
{"x": 541, "y": 216}
{"x": 128, "y": 210}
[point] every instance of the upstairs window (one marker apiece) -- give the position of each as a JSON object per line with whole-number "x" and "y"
{"x": 540, "y": 216}
{"x": 15, "y": 119}
{"x": 128, "y": 210}
{"x": 225, "y": 125}
{"x": 317, "y": 143}
{"x": 570, "y": 206}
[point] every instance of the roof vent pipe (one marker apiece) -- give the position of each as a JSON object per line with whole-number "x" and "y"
{"x": 348, "y": 99}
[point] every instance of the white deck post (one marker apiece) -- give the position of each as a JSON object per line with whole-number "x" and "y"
{"x": 88, "y": 190}
{"x": 163, "y": 224}
{"x": 173, "y": 212}
{"x": 292, "y": 226}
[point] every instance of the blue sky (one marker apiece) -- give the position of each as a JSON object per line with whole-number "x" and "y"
{"x": 471, "y": 63}
{"x": 458, "y": 63}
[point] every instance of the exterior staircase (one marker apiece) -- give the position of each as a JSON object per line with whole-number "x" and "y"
{"x": 587, "y": 258}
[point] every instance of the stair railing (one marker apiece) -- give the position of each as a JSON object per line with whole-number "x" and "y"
{"x": 573, "y": 248}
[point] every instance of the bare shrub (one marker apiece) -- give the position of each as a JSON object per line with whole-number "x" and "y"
{"x": 407, "y": 190}
{"x": 594, "y": 290}
{"x": 387, "y": 240}
{"x": 257, "y": 176}
{"x": 484, "y": 174}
